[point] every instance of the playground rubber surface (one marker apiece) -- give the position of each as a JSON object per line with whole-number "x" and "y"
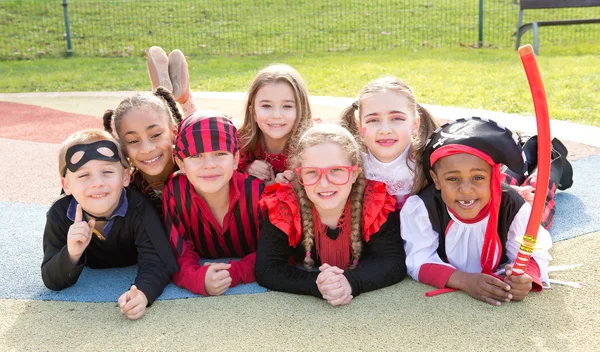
{"x": 85, "y": 316}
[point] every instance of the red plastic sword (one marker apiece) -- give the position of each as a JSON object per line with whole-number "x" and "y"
{"x": 542, "y": 118}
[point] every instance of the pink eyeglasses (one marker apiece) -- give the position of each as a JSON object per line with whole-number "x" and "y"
{"x": 337, "y": 175}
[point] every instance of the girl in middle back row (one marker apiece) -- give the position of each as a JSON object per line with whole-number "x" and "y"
{"x": 394, "y": 130}
{"x": 276, "y": 109}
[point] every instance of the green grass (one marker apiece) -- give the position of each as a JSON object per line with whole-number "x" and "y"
{"x": 35, "y": 28}
{"x": 464, "y": 77}
{"x": 331, "y": 42}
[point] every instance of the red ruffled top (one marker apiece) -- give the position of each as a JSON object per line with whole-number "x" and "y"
{"x": 377, "y": 206}
{"x": 280, "y": 202}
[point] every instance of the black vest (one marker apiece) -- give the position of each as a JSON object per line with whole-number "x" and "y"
{"x": 438, "y": 215}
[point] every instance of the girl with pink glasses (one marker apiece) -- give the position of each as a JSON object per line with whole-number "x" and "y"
{"x": 341, "y": 229}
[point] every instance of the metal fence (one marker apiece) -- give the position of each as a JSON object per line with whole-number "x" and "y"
{"x": 30, "y": 29}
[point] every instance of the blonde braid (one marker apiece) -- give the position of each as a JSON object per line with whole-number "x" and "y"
{"x": 308, "y": 236}
{"x": 356, "y": 234}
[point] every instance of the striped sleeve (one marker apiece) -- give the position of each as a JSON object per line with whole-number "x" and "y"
{"x": 191, "y": 274}
{"x": 247, "y": 230}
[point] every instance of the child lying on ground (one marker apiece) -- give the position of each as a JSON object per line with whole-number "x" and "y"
{"x": 101, "y": 224}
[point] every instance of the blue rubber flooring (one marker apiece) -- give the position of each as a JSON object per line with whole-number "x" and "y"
{"x": 21, "y": 232}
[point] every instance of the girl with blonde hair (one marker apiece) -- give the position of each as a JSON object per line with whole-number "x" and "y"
{"x": 393, "y": 127}
{"x": 329, "y": 217}
{"x": 276, "y": 110}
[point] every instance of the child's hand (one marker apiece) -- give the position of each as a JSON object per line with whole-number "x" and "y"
{"x": 217, "y": 279}
{"x": 327, "y": 271}
{"x": 333, "y": 285}
{"x": 526, "y": 192}
{"x": 133, "y": 303}
{"x": 486, "y": 288}
{"x": 519, "y": 285}
{"x": 79, "y": 235}
{"x": 261, "y": 170}
{"x": 285, "y": 177}
{"x": 271, "y": 179}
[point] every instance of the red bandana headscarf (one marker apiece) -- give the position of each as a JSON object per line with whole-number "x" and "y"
{"x": 198, "y": 134}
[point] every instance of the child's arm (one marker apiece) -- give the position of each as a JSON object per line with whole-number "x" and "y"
{"x": 421, "y": 243}
{"x": 537, "y": 269}
{"x": 152, "y": 276}
{"x": 242, "y": 271}
{"x": 425, "y": 265}
{"x": 480, "y": 286}
{"x": 156, "y": 260}
{"x": 58, "y": 269}
{"x": 382, "y": 260}
{"x": 272, "y": 264}
{"x": 191, "y": 274}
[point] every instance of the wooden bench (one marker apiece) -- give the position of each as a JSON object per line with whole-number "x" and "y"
{"x": 549, "y": 4}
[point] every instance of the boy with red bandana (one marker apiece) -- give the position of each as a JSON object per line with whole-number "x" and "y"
{"x": 210, "y": 208}
{"x": 466, "y": 226}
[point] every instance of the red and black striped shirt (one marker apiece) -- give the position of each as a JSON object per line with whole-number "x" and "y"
{"x": 195, "y": 233}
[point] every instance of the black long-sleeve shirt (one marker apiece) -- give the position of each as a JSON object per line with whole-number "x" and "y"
{"x": 138, "y": 237}
{"x": 382, "y": 261}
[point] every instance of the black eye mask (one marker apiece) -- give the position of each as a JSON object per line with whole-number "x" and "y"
{"x": 91, "y": 152}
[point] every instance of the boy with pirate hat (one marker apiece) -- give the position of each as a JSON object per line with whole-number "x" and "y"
{"x": 101, "y": 224}
{"x": 462, "y": 230}
{"x": 211, "y": 209}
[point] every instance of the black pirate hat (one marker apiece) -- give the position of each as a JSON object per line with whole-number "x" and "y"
{"x": 482, "y": 134}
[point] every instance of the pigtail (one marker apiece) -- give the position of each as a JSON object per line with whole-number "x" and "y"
{"x": 356, "y": 211}
{"x": 349, "y": 119}
{"x": 308, "y": 236}
{"x": 170, "y": 100}
{"x": 107, "y": 119}
{"x": 428, "y": 124}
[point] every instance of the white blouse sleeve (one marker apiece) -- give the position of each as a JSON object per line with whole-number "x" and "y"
{"x": 515, "y": 236}
{"x": 421, "y": 241}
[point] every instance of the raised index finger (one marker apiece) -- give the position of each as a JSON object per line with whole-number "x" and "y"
{"x": 78, "y": 213}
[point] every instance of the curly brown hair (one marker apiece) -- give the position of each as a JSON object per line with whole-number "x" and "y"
{"x": 161, "y": 101}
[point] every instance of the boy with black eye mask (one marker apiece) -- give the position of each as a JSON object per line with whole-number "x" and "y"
{"x": 101, "y": 224}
